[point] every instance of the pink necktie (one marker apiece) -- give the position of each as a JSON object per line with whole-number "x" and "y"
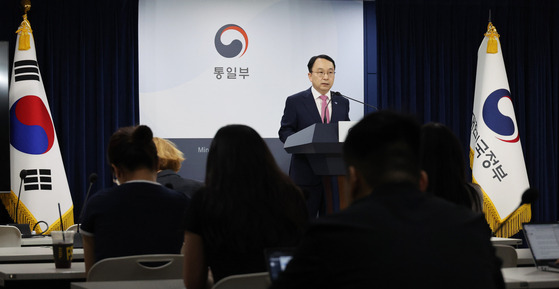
{"x": 325, "y": 110}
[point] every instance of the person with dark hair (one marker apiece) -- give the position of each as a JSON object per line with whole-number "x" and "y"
{"x": 315, "y": 105}
{"x": 248, "y": 204}
{"x": 442, "y": 158}
{"x": 139, "y": 216}
{"x": 170, "y": 159}
{"x": 392, "y": 235}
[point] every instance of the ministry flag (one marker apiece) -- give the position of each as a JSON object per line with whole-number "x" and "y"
{"x": 34, "y": 145}
{"x": 496, "y": 157}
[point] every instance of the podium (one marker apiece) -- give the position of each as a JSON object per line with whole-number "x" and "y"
{"x": 322, "y": 144}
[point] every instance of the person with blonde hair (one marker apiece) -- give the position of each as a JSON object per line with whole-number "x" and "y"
{"x": 170, "y": 162}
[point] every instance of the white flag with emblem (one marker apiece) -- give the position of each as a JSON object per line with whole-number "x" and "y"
{"x": 496, "y": 157}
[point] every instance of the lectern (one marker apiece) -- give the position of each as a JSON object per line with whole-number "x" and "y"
{"x": 321, "y": 144}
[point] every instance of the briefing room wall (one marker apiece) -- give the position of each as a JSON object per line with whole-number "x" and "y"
{"x": 371, "y": 55}
{"x": 428, "y": 53}
{"x": 65, "y": 30}
{"x": 87, "y": 55}
{"x": 83, "y": 68}
{"x": 183, "y": 99}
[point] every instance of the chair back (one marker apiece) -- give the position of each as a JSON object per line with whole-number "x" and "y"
{"x": 74, "y": 228}
{"x": 10, "y": 236}
{"x": 138, "y": 267}
{"x": 507, "y": 254}
{"x": 244, "y": 281}
{"x": 78, "y": 241}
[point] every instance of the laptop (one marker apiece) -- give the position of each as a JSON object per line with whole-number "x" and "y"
{"x": 277, "y": 259}
{"x": 543, "y": 240}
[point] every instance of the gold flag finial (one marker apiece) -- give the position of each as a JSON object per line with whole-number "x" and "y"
{"x": 26, "y": 4}
{"x": 493, "y": 42}
{"x": 25, "y": 27}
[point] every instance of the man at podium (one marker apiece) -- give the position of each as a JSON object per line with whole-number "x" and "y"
{"x": 314, "y": 105}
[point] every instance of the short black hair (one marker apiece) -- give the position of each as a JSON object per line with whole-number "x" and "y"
{"x": 133, "y": 148}
{"x": 323, "y": 56}
{"x": 384, "y": 147}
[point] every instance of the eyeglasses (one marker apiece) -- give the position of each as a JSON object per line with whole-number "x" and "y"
{"x": 322, "y": 73}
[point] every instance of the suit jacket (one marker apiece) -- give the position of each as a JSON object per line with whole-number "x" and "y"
{"x": 397, "y": 237}
{"x": 173, "y": 180}
{"x": 301, "y": 112}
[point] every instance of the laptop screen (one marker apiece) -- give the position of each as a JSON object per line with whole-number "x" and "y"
{"x": 543, "y": 240}
{"x": 277, "y": 259}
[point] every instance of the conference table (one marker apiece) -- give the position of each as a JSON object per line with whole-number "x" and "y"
{"x": 40, "y": 275}
{"x": 515, "y": 278}
{"x": 32, "y": 254}
{"x": 506, "y": 241}
{"x": 529, "y": 277}
{"x": 36, "y": 241}
{"x": 138, "y": 284}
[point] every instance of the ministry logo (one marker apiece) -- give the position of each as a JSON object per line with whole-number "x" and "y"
{"x": 497, "y": 117}
{"x": 233, "y": 49}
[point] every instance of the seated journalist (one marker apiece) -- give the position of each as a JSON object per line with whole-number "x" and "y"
{"x": 442, "y": 158}
{"x": 139, "y": 216}
{"x": 392, "y": 235}
{"x": 248, "y": 204}
{"x": 170, "y": 159}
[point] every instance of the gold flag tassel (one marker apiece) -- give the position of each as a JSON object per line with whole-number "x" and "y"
{"x": 25, "y": 28}
{"x": 493, "y": 42}
{"x": 514, "y": 221}
{"x": 24, "y": 216}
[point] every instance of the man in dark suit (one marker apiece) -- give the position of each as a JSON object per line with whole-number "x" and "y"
{"x": 392, "y": 235}
{"x": 315, "y": 105}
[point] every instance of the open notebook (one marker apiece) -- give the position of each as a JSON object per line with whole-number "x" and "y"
{"x": 543, "y": 240}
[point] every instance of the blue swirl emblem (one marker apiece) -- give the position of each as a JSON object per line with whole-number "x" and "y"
{"x": 496, "y": 121}
{"x": 234, "y": 48}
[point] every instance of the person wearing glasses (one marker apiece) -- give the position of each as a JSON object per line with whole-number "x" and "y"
{"x": 318, "y": 104}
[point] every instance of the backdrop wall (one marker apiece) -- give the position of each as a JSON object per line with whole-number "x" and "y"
{"x": 427, "y": 66}
{"x": 87, "y": 52}
{"x": 190, "y": 86}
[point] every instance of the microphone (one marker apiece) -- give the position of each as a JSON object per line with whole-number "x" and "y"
{"x": 78, "y": 241}
{"x": 353, "y": 99}
{"x": 22, "y": 176}
{"x": 23, "y": 228}
{"x": 92, "y": 179}
{"x": 528, "y": 197}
